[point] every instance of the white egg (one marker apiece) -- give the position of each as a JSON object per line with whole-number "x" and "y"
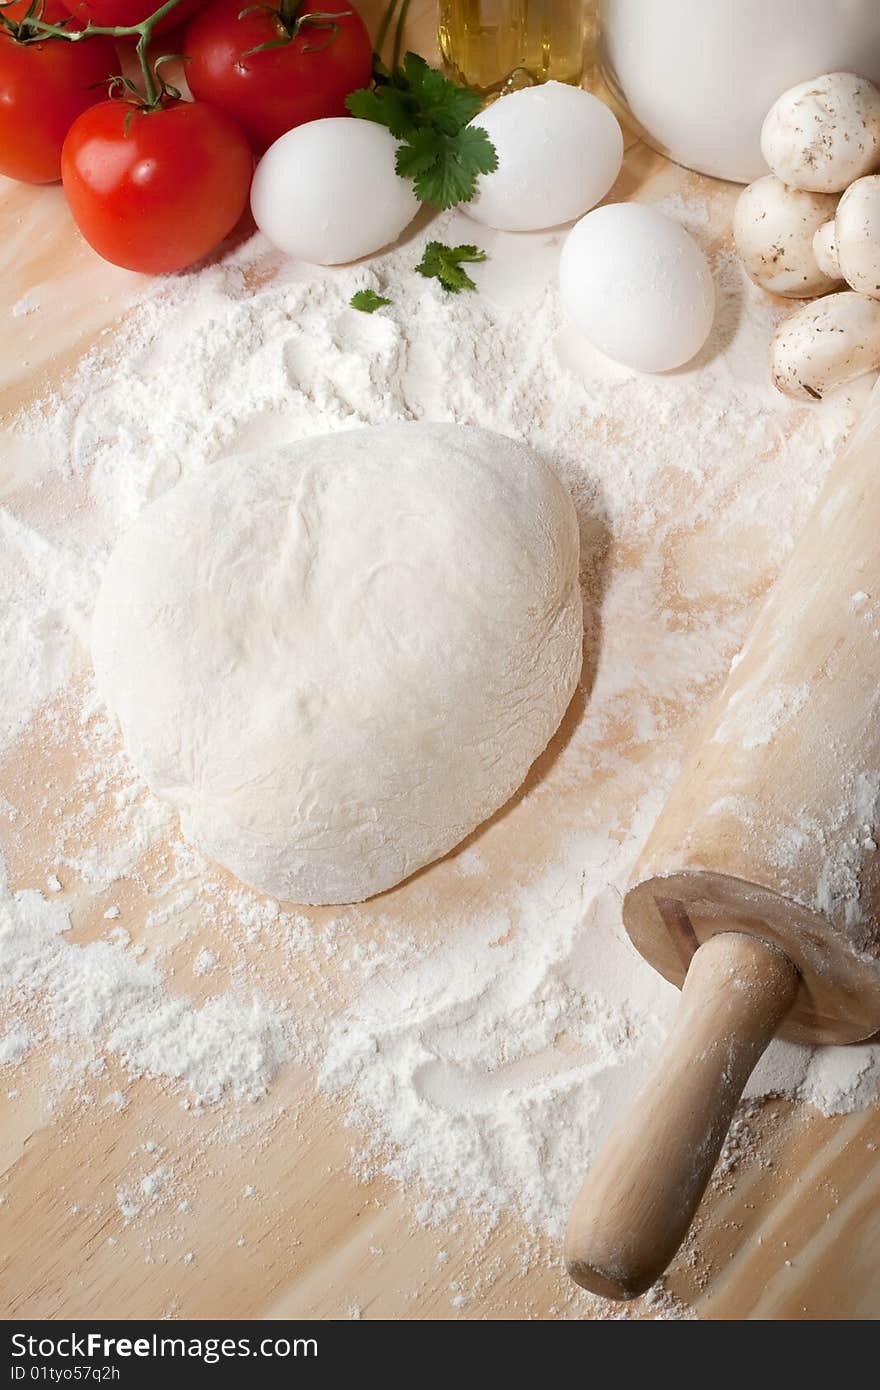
{"x": 559, "y": 152}
{"x": 328, "y": 191}
{"x": 637, "y": 286}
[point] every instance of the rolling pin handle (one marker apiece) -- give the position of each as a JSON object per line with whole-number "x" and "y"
{"x": 639, "y": 1199}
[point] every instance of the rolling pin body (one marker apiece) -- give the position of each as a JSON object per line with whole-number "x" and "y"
{"x": 769, "y": 840}
{"x": 773, "y": 821}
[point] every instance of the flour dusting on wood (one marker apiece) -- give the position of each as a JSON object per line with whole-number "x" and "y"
{"x": 484, "y": 1023}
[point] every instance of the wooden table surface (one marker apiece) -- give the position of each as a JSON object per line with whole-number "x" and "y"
{"x": 273, "y": 1224}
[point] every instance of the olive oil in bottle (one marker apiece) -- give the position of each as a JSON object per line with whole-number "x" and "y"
{"x": 500, "y": 45}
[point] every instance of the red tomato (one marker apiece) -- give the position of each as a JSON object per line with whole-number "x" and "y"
{"x": 44, "y": 86}
{"x": 161, "y": 194}
{"x": 126, "y": 12}
{"x": 273, "y": 91}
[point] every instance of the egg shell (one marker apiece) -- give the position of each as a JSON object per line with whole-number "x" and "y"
{"x": 637, "y": 286}
{"x": 559, "y": 151}
{"x": 328, "y": 191}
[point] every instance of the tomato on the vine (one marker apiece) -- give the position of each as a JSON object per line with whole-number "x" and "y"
{"x": 155, "y": 189}
{"x": 45, "y": 84}
{"x": 126, "y": 12}
{"x": 319, "y": 53}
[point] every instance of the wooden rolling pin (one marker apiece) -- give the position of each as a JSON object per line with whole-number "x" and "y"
{"x": 759, "y": 887}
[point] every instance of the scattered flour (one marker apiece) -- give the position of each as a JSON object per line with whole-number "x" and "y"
{"x": 102, "y": 996}
{"x": 839, "y": 886}
{"x": 14, "y": 1046}
{"x": 205, "y": 962}
{"x": 484, "y": 1024}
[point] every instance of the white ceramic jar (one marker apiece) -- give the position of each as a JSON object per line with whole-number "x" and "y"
{"x": 698, "y": 76}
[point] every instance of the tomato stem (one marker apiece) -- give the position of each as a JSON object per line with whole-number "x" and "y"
{"x": 290, "y": 22}
{"x": 141, "y": 47}
{"x": 290, "y": 12}
{"x": 27, "y": 28}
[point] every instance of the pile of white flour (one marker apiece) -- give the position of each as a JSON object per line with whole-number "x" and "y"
{"x": 486, "y": 1020}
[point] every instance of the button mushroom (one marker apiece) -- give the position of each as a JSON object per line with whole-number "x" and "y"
{"x": 826, "y": 344}
{"x": 774, "y": 227}
{"x": 821, "y": 135}
{"x": 852, "y": 246}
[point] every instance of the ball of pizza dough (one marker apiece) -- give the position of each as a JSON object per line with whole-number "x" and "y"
{"x": 336, "y": 658}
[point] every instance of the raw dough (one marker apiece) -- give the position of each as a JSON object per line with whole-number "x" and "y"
{"x": 338, "y": 657}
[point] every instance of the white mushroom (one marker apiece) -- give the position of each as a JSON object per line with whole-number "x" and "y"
{"x": 773, "y": 227}
{"x": 853, "y": 243}
{"x": 825, "y": 345}
{"x": 821, "y": 135}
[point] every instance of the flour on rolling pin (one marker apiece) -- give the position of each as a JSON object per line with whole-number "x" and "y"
{"x": 488, "y": 1016}
{"x": 789, "y": 844}
{"x": 803, "y": 696}
{"x": 837, "y": 844}
{"x": 754, "y": 728}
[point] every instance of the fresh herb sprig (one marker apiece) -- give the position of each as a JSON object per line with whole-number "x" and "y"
{"x": 439, "y": 150}
{"x": 445, "y": 263}
{"x": 368, "y": 301}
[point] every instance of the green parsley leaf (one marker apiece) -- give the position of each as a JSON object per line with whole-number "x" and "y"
{"x": 444, "y": 263}
{"x": 439, "y": 101}
{"x": 387, "y": 106}
{"x": 439, "y": 150}
{"x": 368, "y": 301}
{"x": 444, "y": 168}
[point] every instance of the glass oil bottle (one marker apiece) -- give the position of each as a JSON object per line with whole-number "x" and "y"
{"x": 500, "y": 45}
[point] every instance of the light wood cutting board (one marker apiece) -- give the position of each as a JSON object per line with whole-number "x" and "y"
{"x": 273, "y": 1223}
